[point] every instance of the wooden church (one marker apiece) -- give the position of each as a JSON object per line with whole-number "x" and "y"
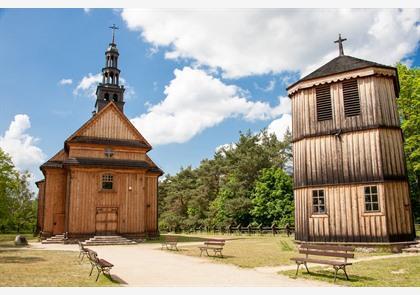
{"x": 349, "y": 169}
{"x": 102, "y": 182}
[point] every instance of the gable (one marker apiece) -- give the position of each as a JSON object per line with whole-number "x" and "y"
{"x": 60, "y": 156}
{"x": 110, "y": 123}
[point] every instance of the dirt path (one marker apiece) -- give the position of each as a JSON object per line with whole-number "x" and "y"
{"x": 145, "y": 265}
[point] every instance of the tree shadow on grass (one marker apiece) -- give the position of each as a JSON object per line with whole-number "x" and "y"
{"x": 326, "y": 275}
{"x": 20, "y": 259}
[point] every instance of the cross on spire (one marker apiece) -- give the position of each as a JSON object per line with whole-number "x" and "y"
{"x": 340, "y": 44}
{"x": 114, "y": 27}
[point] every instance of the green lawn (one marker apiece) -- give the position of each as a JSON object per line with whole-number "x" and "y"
{"x": 388, "y": 272}
{"x": 250, "y": 251}
{"x": 253, "y": 250}
{"x": 41, "y": 268}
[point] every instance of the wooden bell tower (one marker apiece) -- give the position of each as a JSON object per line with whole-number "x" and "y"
{"x": 349, "y": 169}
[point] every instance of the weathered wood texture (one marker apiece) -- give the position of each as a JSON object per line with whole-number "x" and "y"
{"x": 97, "y": 151}
{"x": 41, "y": 201}
{"x": 132, "y": 192}
{"x": 110, "y": 125}
{"x": 369, "y": 155}
{"x": 377, "y": 106}
{"x": 55, "y": 195}
{"x": 345, "y": 219}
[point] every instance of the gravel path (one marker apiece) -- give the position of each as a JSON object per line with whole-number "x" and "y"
{"x": 145, "y": 265}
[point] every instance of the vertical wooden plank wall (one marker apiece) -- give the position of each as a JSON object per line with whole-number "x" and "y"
{"x": 345, "y": 219}
{"x": 377, "y": 106}
{"x": 133, "y": 214}
{"x": 55, "y": 194}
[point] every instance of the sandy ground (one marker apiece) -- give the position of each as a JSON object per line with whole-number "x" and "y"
{"x": 145, "y": 265}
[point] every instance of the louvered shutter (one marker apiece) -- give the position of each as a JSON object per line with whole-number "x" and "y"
{"x": 323, "y": 102}
{"x": 351, "y": 98}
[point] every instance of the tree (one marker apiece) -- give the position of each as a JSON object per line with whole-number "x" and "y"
{"x": 409, "y": 110}
{"x": 272, "y": 198}
{"x": 17, "y": 206}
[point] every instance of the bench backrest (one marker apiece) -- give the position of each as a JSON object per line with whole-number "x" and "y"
{"x": 170, "y": 239}
{"x": 327, "y": 250}
{"x": 215, "y": 242}
{"x": 81, "y": 247}
{"x": 93, "y": 256}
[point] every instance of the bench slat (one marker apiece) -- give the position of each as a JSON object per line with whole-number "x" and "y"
{"x": 326, "y": 253}
{"x": 328, "y": 247}
{"x": 320, "y": 261}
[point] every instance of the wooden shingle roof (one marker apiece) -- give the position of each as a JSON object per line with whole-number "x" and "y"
{"x": 340, "y": 64}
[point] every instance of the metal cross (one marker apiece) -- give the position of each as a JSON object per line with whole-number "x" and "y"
{"x": 114, "y": 27}
{"x": 340, "y": 44}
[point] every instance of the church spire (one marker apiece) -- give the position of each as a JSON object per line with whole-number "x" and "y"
{"x": 110, "y": 90}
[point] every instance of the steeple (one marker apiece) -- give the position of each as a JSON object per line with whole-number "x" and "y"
{"x": 110, "y": 90}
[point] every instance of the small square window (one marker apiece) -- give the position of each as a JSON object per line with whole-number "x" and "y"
{"x": 107, "y": 181}
{"x": 371, "y": 199}
{"x": 318, "y": 201}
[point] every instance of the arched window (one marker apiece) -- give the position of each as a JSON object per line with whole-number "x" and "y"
{"x": 107, "y": 181}
{"x": 112, "y": 61}
{"x": 106, "y": 96}
{"x": 112, "y": 77}
{"x": 115, "y": 97}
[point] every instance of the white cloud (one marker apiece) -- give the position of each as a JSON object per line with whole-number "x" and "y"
{"x": 270, "y": 86}
{"x": 87, "y": 86}
{"x": 280, "y": 126}
{"x": 87, "y": 10}
{"x": 245, "y": 42}
{"x": 65, "y": 82}
{"x": 22, "y": 147}
{"x": 195, "y": 101}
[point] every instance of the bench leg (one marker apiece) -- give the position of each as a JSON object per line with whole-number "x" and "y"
{"x": 306, "y": 267}
{"x": 345, "y": 272}
{"x": 335, "y": 275}
{"x": 99, "y": 272}
{"x": 297, "y": 269}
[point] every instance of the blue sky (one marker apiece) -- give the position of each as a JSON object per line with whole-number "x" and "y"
{"x": 224, "y": 71}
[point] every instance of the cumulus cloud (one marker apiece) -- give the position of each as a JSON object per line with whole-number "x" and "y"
{"x": 280, "y": 126}
{"x": 195, "y": 101}
{"x": 244, "y": 42}
{"x": 87, "y": 86}
{"x": 65, "y": 82}
{"x": 22, "y": 147}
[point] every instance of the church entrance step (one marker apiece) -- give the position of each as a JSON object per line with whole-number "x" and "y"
{"x": 108, "y": 240}
{"x": 56, "y": 239}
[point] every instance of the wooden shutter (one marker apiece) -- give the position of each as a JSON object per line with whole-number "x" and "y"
{"x": 351, "y": 98}
{"x": 323, "y": 102}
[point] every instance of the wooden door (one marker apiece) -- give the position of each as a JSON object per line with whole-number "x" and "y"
{"x": 106, "y": 220}
{"x": 58, "y": 223}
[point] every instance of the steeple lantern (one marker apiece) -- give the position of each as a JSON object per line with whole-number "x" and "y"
{"x": 110, "y": 89}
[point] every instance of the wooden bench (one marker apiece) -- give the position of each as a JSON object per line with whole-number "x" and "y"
{"x": 337, "y": 252}
{"x": 170, "y": 242}
{"x": 101, "y": 264}
{"x": 215, "y": 245}
{"x": 83, "y": 251}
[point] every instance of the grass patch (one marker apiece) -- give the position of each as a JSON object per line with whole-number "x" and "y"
{"x": 7, "y": 240}
{"x": 42, "y": 268}
{"x": 180, "y": 237}
{"x": 255, "y": 250}
{"x": 250, "y": 251}
{"x": 387, "y": 272}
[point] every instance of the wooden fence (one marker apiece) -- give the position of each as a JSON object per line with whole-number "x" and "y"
{"x": 239, "y": 230}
